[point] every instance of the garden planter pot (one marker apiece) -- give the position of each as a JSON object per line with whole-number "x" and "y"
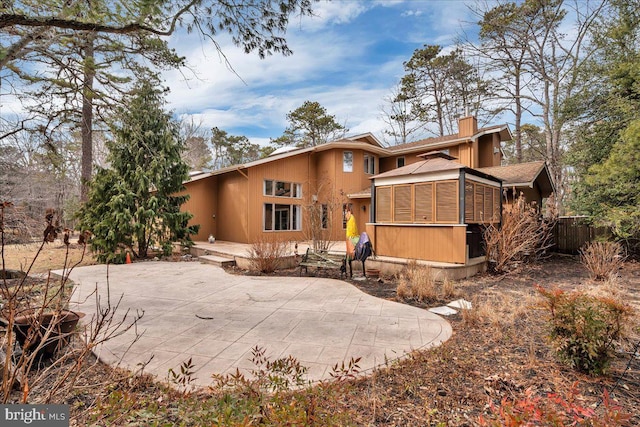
{"x": 61, "y": 330}
{"x": 373, "y": 273}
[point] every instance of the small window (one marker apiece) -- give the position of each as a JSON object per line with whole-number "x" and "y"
{"x": 369, "y": 164}
{"x": 282, "y": 189}
{"x": 268, "y": 217}
{"x": 325, "y": 217}
{"x": 399, "y": 162}
{"x": 345, "y": 207}
{"x": 268, "y": 188}
{"x": 347, "y": 161}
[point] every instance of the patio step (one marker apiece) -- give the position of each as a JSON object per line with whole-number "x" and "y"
{"x": 220, "y": 261}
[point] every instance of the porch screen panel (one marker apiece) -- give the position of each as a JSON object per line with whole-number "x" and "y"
{"x": 423, "y": 202}
{"x": 383, "y": 204}
{"x": 496, "y": 205}
{"x": 468, "y": 202}
{"x": 402, "y": 203}
{"x": 447, "y": 201}
{"x": 478, "y": 209}
{"x": 488, "y": 204}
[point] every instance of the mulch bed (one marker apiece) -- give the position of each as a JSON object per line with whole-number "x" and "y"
{"x": 492, "y": 356}
{"x": 498, "y": 351}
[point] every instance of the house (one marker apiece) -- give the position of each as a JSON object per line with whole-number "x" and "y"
{"x": 414, "y": 205}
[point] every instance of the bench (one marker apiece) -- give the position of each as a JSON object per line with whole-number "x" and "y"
{"x": 323, "y": 259}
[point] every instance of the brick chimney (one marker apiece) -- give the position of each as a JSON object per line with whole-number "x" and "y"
{"x": 467, "y": 126}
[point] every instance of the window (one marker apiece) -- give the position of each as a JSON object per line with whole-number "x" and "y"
{"x": 345, "y": 207}
{"x": 369, "y": 164}
{"x": 325, "y": 217}
{"x": 282, "y": 189}
{"x": 282, "y": 217}
{"x": 347, "y": 161}
{"x": 399, "y": 162}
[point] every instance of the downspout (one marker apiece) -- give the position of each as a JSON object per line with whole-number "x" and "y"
{"x": 461, "y": 206}
{"x": 461, "y": 183}
{"x": 248, "y": 207}
{"x": 373, "y": 213}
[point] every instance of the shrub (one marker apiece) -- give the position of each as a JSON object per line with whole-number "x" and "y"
{"x": 523, "y": 235}
{"x": 602, "y": 259}
{"x": 416, "y": 281}
{"x": 584, "y": 328}
{"x": 266, "y": 255}
{"x": 553, "y": 410}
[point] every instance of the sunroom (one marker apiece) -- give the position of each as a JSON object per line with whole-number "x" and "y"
{"x": 433, "y": 210}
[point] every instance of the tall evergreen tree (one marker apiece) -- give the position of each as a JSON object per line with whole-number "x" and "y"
{"x": 133, "y": 205}
{"x": 441, "y": 87}
{"x": 605, "y": 154}
{"x": 310, "y": 125}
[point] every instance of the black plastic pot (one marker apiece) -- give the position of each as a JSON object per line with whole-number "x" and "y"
{"x": 61, "y": 328}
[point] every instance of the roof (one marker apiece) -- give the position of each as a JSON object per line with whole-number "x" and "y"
{"x": 446, "y": 140}
{"x": 365, "y": 193}
{"x": 524, "y": 175}
{"x": 434, "y": 162}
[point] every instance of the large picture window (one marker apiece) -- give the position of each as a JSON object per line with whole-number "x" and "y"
{"x": 279, "y": 217}
{"x": 282, "y": 189}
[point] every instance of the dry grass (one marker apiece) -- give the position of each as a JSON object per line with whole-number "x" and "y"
{"x": 267, "y": 255}
{"x": 418, "y": 282}
{"x": 51, "y": 257}
{"x": 602, "y": 259}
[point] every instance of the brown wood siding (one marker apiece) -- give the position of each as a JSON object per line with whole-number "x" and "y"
{"x": 486, "y": 156}
{"x": 454, "y": 152}
{"x": 402, "y": 197}
{"x": 447, "y": 201}
{"x": 388, "y": 163}
{"x": 233, "y": 210}
{"x": 202, "y": 204}
{"x": 423, "y": 242}
{"x": 423, "y": 202}
{"x": 465, "y": 155}
{"x": 467, "y": 126}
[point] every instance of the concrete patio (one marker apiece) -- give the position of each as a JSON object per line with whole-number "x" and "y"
{"x": 198, "y": 311}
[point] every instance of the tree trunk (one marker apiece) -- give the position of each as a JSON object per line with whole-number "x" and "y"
{"x": 86, "y": 123}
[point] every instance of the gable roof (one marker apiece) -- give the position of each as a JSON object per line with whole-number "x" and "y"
{"x": 366, "y": 137}
{"x": 448, "y": 140}
{"x": 524, "y": 175}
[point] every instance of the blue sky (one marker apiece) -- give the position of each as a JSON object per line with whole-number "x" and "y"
{"x": 348, "y": 58}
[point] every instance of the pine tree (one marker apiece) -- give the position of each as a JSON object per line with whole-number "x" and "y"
{"x": 133, "y": 205}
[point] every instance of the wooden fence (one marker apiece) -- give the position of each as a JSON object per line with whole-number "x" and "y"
{"x": 572, "y": 232}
